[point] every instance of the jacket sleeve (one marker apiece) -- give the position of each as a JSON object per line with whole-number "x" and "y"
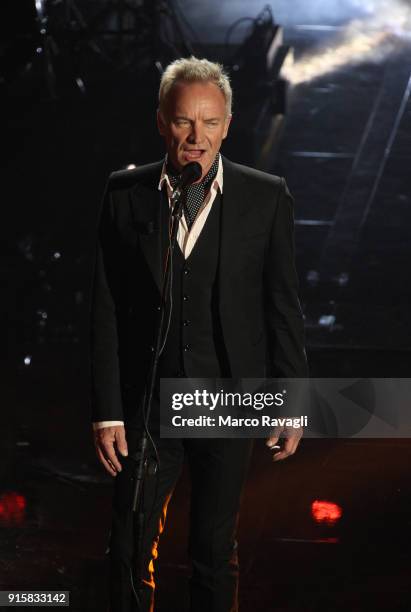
{"x": 287, "y": 356}
{"x": 106, "y": 402}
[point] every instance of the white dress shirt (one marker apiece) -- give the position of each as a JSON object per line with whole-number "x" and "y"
{"x": 186, "y": 238}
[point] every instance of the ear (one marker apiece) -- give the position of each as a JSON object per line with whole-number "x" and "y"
{"x": 227, "y": 125}
{"x": 160, "y": 123}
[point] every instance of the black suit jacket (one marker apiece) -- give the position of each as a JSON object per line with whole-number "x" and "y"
{"x": 261, "y": 319}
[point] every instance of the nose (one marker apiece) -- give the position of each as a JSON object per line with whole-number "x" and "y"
{"x": 197, "y": 133}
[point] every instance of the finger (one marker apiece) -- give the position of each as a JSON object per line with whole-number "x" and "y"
{"x": 104, "y": 441}
{"x": 272, "y": 441}
{"x": 290, "y": 446}
{"x": 107, "y": 448}
{"x": 280, "y": 455}
{"x": 121, "y": 442}
{"x": 294, "y": 442}
{"x": 108, "y": 467}
{"x": 274, "y": 436}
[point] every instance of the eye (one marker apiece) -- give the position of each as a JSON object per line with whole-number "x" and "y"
{"x": 182, "y": 122}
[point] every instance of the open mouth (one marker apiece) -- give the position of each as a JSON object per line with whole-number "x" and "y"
{"x": 193, "y": 154}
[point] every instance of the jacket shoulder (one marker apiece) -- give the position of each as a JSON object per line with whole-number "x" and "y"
{"x": 256, "y": 176}
{"x": 128, "y": 178}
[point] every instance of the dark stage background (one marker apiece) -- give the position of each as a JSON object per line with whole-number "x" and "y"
{"x": 329, "y": 528}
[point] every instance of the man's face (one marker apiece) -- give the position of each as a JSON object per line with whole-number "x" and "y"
{"x": 193, "y": 123}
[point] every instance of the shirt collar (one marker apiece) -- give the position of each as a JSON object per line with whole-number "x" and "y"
{"x": 217, "y": 183}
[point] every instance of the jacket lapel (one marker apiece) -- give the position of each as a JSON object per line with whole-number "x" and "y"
{"x": 148, "y": 216}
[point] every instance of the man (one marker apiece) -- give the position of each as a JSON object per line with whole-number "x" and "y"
{"x": 235, "y": 313}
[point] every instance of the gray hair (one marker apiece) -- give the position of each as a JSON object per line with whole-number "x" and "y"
{"x": 193, "y": 69}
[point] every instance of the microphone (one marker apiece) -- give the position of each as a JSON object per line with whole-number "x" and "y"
{"x": 190, "y": 174}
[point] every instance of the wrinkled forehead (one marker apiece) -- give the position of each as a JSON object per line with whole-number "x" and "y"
{"x": 193, "y": 98}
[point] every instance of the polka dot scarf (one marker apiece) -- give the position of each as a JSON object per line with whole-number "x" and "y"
{"x": 194, "y": 195}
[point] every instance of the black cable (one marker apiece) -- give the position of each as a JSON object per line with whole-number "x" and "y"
{"x": 233, "y": 27}
{"x": 145, "y": 421}
{"x": 170, "y": 301}
{"x": 177, "y": 8}
{"x": 265, "y": 16}
{"x": 164, "y": 36}
{"x": 133, "y": 588}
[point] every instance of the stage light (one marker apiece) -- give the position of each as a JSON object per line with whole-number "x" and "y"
{"x": 326, "y": 512}
{"x": 326, "y": 320}
{"x": 12, "y": 508}
{"x": 371, "y": 38}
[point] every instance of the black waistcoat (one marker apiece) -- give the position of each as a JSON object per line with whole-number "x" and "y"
{"x": 194, "y": 345}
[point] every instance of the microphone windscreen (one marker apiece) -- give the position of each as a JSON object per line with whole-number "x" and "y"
{"x": 191, "y": 173}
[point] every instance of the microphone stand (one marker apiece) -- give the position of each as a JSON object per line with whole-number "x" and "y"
{"x": 141, "y": 456}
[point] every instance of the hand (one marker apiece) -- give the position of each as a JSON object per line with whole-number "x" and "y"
{"x": 107, "y": 440}
{"x": 292, "y": 437}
